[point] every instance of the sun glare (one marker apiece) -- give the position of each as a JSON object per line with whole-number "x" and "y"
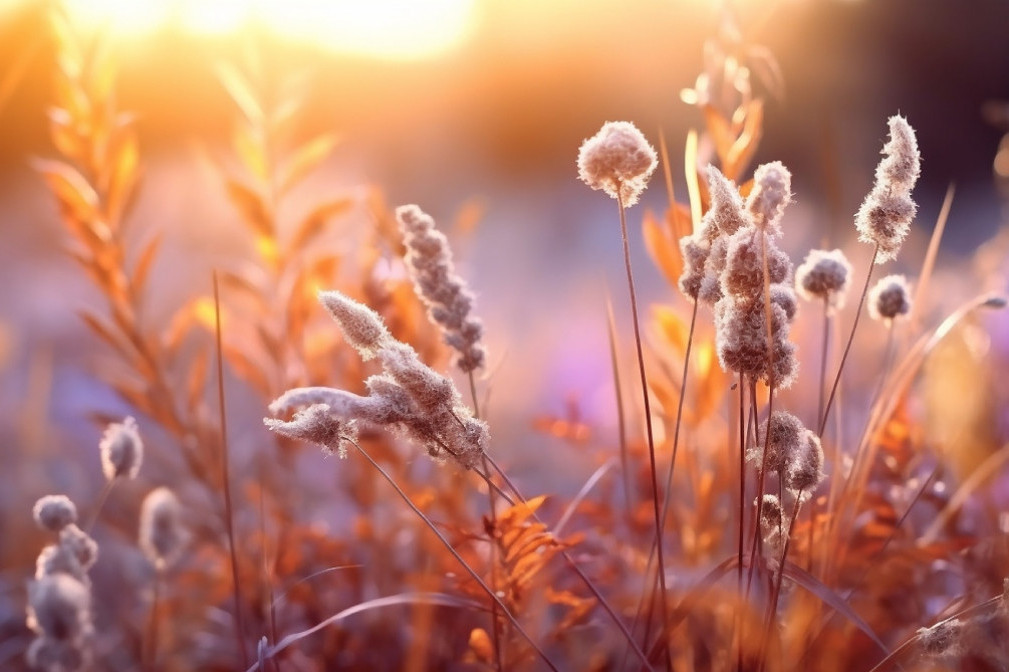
{"x": 391, "y": 29}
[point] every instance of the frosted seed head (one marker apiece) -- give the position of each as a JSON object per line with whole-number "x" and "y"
{"x": 743, "y": 275}
{"x": 901, "y": 165}
{"x": 121, "y": 449}
{"x": 770, "y": 511}
{"x": 885, "y": 219}
{"x": 361, "y": 326}
{"x": 54, "y": 512}
{"x": 430, "y": 391}
{"x": 889, "y": 298}
{"x": 787, "y": 434}
{"x": 695, "y": 255}
{"x": 59, "y": 608}
{"x": 824, "y": 275}
{"x": 57, "y": 559}
{"x": 783, "y": 296}
{"x": 942, "y": 638}
{"x": 771, "y": 193}
{"x": 316, "y": 424}
{"x": 725, "y": 213}
{"x": 340, "y": 402}
{"x": 618, "y": 160}
{"x": 805, "y": 469}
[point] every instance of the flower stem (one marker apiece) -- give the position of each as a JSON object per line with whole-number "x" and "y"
{"x": 648, "y": 429}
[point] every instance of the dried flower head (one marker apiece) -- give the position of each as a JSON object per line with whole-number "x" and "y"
{"x": 54, "y": 512}
{"x": 362, "y": 327}
{"x": 162, "y": 534}
{"x": 787, "y": 439}
{"x": 771, "y": 523}
{"x": 743, "y": 275}
{"x": 725, "y": 213}
{"x": 449, "y": 301}
{"x": 121, "y": 449}
{"x": 317, "y": 424}
{"x": 617, "y": 160}
{"x": 741, "y": 341}
{"x": 59, "y": 608}
{"x": 825, "y": 276}
{"x": 886, "y": 214}
{"x": 942, "y": 638}
{"x": 901, "y": 163}
{"x": 771, "y": 193}
{"x": 889, "y": 298}
{"x": 804, "y": 470}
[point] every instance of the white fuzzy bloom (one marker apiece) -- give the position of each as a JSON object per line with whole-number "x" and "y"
{"x": 617, "y": 160}
{"x": 121, "y": 449}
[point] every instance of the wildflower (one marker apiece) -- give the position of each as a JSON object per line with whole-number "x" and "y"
{"x": 121, "y": 449}
{"x": 825, "y": 276}
{"x": 617, "y": 160}
{"x": 772, "y": 191}
{"x": 725, "y": 216}
{"x": 448, "y": 299}
{"x": 362, "y": 327}
{"x": 787, "y": 436}
{"x": 54, "y": 512}
{"x": 889, "y": 298}
{"x": 741, "y": 341}
{"x": 743, "y": 274}
{"x": 886, "y": 214}
{"x": 161, "y": 533}
{"x": 804, "y": 470}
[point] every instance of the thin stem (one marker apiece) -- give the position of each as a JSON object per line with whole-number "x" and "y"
{"x": 102, "y": 497}
{"x": 773, "y": 606}
{"x": 679, "y": 415}
{"x": 760, "y": 480}
{"x": 226, "y": 480}
{"x": 451, "y": 549}
{"x": 621, "y": 419}
{"x": 648, "y": 428}
{"x": 496, "y": 626}
{"x": 851, "y": 338}
{"x": 742, "y": 518}
{"x": 823, "y": 361}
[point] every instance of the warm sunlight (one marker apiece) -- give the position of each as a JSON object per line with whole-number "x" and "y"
{"x": 391, "y": 29}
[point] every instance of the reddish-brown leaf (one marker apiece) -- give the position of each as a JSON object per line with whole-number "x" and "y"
{"x": 252, "y": 208}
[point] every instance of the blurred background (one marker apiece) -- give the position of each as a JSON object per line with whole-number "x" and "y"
{"x": 480, "y": 105}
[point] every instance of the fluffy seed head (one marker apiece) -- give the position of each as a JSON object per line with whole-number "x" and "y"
{"x": 58, "y": 559}
{"x": 889, "y": 298}
{"x": 772, "y": 191}
{"x": 59, "y": 608}
{"x": 316, "y": 424}
{"x": 362, "y": 327}
{"x": 695, "y": 251}
{"x": 743, "y": 275}
{"x": 787, "y": 435}
{"x": 741, "y": 341}
{"x": 805, "y": 470}
{"x": 618, "y": 160}
{"x": 824, "y": 275}
{"x": 885, "y": 218}
{"x": 725, "y": 213}
{"x": 121, "y": 449}
{"x": 942, "y": 638}
{"x": 431, "y": 391}
{"x": 901, "y": 164}
{"x": 447, "y": 297}
{"x": 162, "y": 535}
{"x": 54, "y": 512}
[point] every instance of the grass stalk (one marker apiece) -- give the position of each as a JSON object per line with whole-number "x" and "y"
{"x": 648, "y": 426}
{"x": 226, "y": 480}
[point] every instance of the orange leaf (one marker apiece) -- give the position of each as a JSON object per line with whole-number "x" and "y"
{"x": 76, "y": 196}
{"x": 664, "y": 251}
{"x": 745, "y": 146}
{"x": 721, "y": 132}
{"x": 252, "y": 208}
{"x": 481, "y": 646}
{"x": 674, "y": 329}
{"x": 123, "y": 179}
{"x": 143, "y": 267}
{"x": 240, "y": 91}
{"x": 306, "y": 158}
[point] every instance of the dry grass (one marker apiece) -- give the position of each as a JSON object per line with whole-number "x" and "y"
{"x": 438, "y": 566}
